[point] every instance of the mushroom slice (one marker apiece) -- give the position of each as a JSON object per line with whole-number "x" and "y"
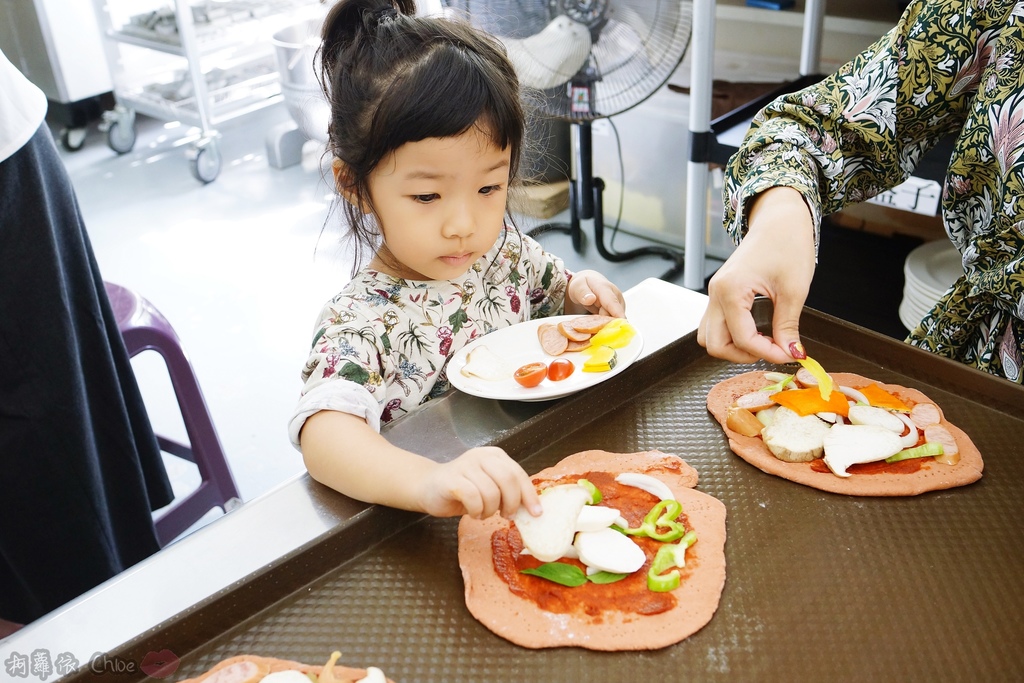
{"x": 847, "y": 445}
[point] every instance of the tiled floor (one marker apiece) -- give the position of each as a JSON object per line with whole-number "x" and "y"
{"x": 240, "y": 267}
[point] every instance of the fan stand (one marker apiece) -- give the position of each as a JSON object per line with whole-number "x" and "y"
{"x": 586, "y": 201}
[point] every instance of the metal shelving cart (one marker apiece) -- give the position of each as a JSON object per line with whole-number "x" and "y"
{"x": 200, "y": 63}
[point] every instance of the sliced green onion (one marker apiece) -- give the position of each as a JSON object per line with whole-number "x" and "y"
{"x": 595, "y": 494}
{"x": 925, "y": 450}
{"x": 560, "y": 573}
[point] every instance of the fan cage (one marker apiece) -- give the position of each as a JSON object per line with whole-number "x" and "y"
{"x": 636, "y": 47}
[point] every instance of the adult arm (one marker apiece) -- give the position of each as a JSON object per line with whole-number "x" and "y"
{"x": 853, "y": 135}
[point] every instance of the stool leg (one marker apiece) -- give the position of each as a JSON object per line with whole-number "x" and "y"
{"x": 218, "y": 487}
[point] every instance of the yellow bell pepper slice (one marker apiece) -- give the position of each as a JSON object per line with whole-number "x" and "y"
{"x": 818, "y": 372}
{"x": 617, "y": 334}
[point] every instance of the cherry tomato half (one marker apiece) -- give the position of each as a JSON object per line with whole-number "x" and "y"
{"x": 531, "y": 374}
{"x": 559, "y": 369}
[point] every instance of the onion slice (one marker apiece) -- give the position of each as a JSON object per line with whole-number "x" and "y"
{"x": 852, "y": 393}
{"x": 909, "y": 440}
{"x": 656, "y": 487}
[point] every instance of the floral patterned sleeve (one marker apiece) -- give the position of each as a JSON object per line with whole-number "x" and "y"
{"x": 863, "y": 129}
{"x": 547, "y": 279}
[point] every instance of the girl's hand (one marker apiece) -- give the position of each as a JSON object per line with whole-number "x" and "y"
{"x": 478, "y": 483}
{"x": 592, "y": 292}
{"x": 775, "y": 259}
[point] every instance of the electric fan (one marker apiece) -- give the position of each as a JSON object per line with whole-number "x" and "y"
{"x": 590, "y": 59}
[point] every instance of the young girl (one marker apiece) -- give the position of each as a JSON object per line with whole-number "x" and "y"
{"x": 426, "y": 130}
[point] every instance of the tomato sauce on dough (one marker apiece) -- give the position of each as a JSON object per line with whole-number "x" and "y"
{"x": 628, "y": 596}
{"x": 881, "y": 467}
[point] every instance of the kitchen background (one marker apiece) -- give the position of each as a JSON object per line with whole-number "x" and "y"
{"x": 241, "y": 264}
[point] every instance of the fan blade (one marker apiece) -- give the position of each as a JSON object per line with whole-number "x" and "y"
{"x": 634, "y": 27}
{"x": 553, "y": 56}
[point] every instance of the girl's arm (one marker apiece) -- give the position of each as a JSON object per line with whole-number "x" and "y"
{"x": 343, "y": 452}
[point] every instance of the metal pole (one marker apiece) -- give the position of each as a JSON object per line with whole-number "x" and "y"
{"x": 810, "y": 46}
{"x": 702, "y": 52}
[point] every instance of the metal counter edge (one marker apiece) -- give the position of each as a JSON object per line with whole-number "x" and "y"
{"x": 295, "y": 513}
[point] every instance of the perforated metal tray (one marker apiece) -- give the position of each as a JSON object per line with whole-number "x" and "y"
{"x": 818, "y": 587}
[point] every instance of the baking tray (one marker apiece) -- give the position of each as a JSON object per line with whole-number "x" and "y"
{"x": 819, "y": 586}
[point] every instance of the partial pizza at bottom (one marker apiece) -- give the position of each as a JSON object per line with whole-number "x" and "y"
{"x": 255, "y": 669}
{"x": 533, "y": 612}
{"x": 906, "y": 477}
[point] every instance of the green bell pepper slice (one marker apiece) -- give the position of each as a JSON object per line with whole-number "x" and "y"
{"x": 669, "y": 556}
{"x": 662, "y": 516}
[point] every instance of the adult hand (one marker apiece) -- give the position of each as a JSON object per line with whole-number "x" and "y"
{"x": 775, "y": 259}
{"x": 478, "y": 483}
{"x": 594, "y": 293}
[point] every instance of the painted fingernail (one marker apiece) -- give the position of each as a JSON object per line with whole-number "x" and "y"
{"x": 796, "y": 349}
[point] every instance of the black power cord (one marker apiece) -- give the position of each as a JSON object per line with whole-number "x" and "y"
{"x": 586, "y": 201}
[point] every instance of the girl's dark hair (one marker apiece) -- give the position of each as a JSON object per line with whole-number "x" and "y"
{"x": 391, "y": 78}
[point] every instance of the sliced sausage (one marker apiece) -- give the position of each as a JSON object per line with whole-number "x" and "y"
{"x": 572, "y": 334}
{"x": 755, "y": 401}
{"x": 578, "y": 346}
{"x": 936, "y": 433}
{"x": 925, "y": 414}
{"x": 552, "y": 341}
{"x": 805, "y": 379}
{"x": 591, "y": 324}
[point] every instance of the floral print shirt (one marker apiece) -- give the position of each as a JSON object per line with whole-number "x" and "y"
{"x": 949, "y": 66}
{"x": 381, "y": 346}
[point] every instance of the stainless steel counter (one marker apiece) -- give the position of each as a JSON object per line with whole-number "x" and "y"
{"x": 198, "y": 568}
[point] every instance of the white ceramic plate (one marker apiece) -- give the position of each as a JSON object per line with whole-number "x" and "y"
{"x": 919, "y": 300}
{"x": 923, "y": 292}
{"x": 518, "y": 345}
{"x": 934, "y": 265}
{"x": 908, "y": 316}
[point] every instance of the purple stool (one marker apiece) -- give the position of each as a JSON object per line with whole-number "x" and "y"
{"x": 144, "y": 328}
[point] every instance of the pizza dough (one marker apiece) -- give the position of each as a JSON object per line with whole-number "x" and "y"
{"x": 919, "y": 477}
{"x": 251, "y": 668}
{"x": 521, "y": 620}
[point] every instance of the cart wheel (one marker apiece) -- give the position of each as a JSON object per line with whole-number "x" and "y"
{"x": 204, "y": 159}
{"x": 72, "y": 139}
{"x": 121, "y": 136}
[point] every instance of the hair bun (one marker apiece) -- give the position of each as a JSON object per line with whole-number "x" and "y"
{"x": 374, "y": 18}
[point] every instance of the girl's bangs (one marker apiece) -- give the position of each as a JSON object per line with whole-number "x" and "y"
{"x": 444, "y": 96}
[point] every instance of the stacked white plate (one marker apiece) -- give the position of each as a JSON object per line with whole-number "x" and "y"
{"x": 929, "y": 271}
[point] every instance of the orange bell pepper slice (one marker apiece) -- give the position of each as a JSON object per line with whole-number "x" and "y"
{"x": 880, "y": 398}
{"x": 809, "y": 401}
